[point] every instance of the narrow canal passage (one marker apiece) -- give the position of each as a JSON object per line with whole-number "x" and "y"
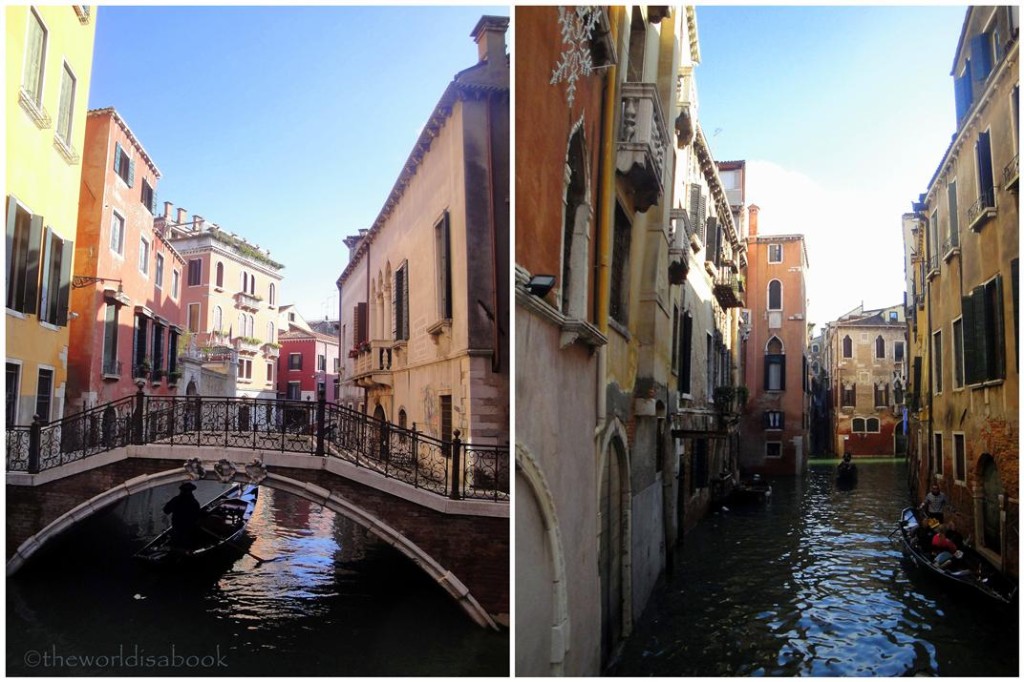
{"x": 333, "y": 601}
{"x": 810, "y": 585}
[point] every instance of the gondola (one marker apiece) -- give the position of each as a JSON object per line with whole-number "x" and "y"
{"x": 970, "y": 572}
{"x": 846, "y": 474}
{"x": 222, "y": 521}
{"x": 753, "y": 490}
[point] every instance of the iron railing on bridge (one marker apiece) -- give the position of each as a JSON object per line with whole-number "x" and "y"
{"x": 452, "y": 468}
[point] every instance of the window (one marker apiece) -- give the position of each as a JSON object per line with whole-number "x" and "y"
{"x": 195, "y": 272}
{"x": 35, "y": 58}
{"x": 110, "y": 341}
{"x": 443, "y": 257}
{"x": 218, "y": 319}
{"x": 66, "y": 107}
{"x": 175, "y": 280}
{"x": 245, "y": 282}
{"x": 637, "y": 46}
{"x": 621, "y": 242}
{"x": 337, "y": 365}
{"x": 321, "y": 362}
{"x": 11, "y": 393}
{"x": 959, "y": 457}
{"x": 872, "y": 424}
{"x": 220, "y": 274}
{"x": 815, "y": 348}
{"x": 675, "y": 339}
{"x": 879, "y": 347}
{"x": 446, "y": 418}
{"x": 193, "y": 317}
{"x": 774, "y": 419}
{"x": 897, "y": 351}
{"x": 981, "y": 56}
{"x": 245, "y": 369}
{"x": 361, "y": 325}
{"x": 272, "y": 295}
{"x": 144, "y": 256}
{"x": 401, "y": 303}
{"x": 24, "y": 234}
{"x": 983, "y": 156}
{"x": 403, "y": 419}
{"x": 172, "y": 351}
{"x": 55, "y": 288}
{"x": 937, "y": 361}
{"x": 937, "y": 452}
{"x": 773, "y": 450}
{"x": 271, "y": 336}
{"x": 123, "y": 165}
{"x": 270, "y": 372}
{"x": 685, "y": 353}
{"x": 774, "y": 366}
{"x": 984, "y": 338}
{"x": 958, "y": 353}
{"x": 148, "y": 196}
{"x": 295, "y": 361}
{"x": 698, "y": 210}
{"x": 847, "y": 346}
{"x": 849, "y": 395}
{"x": 575, "y": 230}
{"x": 44, "y": 394}
{"x": 881, "y": 394}
{"x": 954, "y": 221}
{"x": 775, "y": 253}
{"x": 140, "y": 352}
{"x": 294, "y": 391}
{"x": 158, "y": 349}
{"x": 775, "y": 295}
{"x": 117, "y": 234}
{"x": 159, "y": 274}
{"x": 699, "y": 477}
{"x": 857, "y": 425}
{"x": 894, "y": 316}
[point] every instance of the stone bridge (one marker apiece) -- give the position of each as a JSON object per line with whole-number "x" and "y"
{"x": 443, "y": 505}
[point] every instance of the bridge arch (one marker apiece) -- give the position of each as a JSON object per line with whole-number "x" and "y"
{"x": 309, "y": 491}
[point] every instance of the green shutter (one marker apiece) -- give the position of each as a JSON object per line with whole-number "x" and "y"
{"x": 998, "y": 330}
{"x": 975, "y": 339}
{"x": 64, "y": 292}
{"x": 46, "y": 264}
{"x": 117, "y": 157}
{"x": 35, "y": 236}
{"x": 131, "y": 172}
{"x": 12, "y": 222}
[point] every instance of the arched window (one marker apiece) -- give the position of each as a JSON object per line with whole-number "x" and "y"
{"x": 251, "y": 328}
{"x": 220, "y": 274}
{"x": 880, "y": 347}
{"x": 847, "y": 346}
{"x": 872, "y": 425}
{"x": 245, "y": 282}
{"x": 858, "y": 425}
{"x": 252, "y": 284}
{"x": 218, "y": 319}
{"x": 402, "y": 419}
{"x": 270, "y": 333}
{"x": 774, "y": 365}
{"x": 273, "y": 294}
{"x": 775, "y": 295}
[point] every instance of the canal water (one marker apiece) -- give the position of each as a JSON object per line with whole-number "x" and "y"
{"x": 330, "y": 600}
{"x": 810, "y": 585}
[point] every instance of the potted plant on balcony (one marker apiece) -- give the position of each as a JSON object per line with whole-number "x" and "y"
{"x": 142, "y": 369}
{"x": 172, "y": 377}
{"x": 354, "y": 353}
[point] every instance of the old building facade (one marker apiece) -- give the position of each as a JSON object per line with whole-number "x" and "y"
{"x": 424, "y": 296}
{"x": 48, "y": 56}
{"x": 230, "y": 293}
{"x": 774, "y": 425}
{"x": 962, "y": 306}
{"x": 126, "y": 292}
{"x": 866, "y": 355}
{"x": 309, "y": 361}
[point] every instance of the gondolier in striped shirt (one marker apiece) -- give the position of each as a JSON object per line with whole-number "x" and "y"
{"x": 934, "y": 504}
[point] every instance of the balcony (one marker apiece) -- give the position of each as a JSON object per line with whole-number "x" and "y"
{"x": 641, "y": 148}
{"x": 246, "y": 345}
{"x": 730, "y": 289}
{"x": 933, "y": 266}
{"x": 247, "y": 301}
{"x": 981, "y": 210}
{"x": 271, "y": 351}
{"x": 950, "y": 248}
{"x": 1011, "y": 174}
{"x": 373, "y": 365}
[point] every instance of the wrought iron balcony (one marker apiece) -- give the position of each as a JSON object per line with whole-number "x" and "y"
{"x": 247, "y": 301}
{"x": 642, "y": 145}
{"x": 730, "y": 289}
{"x": 981, "y": 210}
{"x": 1011, "y": 174}
{"x": 950, "y": 248}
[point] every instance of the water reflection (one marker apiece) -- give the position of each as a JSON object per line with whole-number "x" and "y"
{"x": 810, "y": 585}
{"x": 329, "y": 599}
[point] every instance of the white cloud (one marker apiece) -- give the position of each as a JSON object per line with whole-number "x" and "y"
{"x": 853, "y": 236}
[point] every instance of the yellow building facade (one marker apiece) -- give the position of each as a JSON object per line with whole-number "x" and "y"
{"x": 48, "y": 52}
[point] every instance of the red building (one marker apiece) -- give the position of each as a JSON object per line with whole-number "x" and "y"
{"x": 125, "y": 309}
{"x": 773, "y": 433}
{"x": 309, "y": 359}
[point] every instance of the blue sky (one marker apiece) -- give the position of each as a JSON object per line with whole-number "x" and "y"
{"x": 287, "y": 125}
{"x": 843, "y": 115}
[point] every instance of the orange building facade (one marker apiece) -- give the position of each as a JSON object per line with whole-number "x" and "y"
{"x": 125, "y": 298}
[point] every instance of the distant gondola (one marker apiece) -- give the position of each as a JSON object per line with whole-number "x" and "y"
{"x": 221, "y": 522}
{"x": 846, "y": 474}
{"x": 970, "y": 571}
{"x": 754, "y": 489}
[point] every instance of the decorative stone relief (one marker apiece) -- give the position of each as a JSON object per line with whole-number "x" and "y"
{"x": 576, "y": 61}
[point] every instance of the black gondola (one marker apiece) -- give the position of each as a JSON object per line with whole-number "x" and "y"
{"x": 846, "y": 474}
{"x": 222, "y": 522}
{"x": 970, "y": 571}
{"x": 755, "y": 489}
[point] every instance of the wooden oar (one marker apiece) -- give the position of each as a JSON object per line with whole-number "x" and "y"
{"x": 259, "y": 559}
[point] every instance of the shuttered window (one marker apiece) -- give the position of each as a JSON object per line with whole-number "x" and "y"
{"x": 35, "y": 58}
{"x": 24, "y": 237}
{"x": 66, "y": 105}
{"x": 954, "y": 221}
{"x": 984, "y": 336}
{"x": 618, "y": 305}
{"x": 685, "y": 353}
{"x": 195, "y": 272}
{"x": 983, "y": 154}
{"x": 775, "y": 295}
{"x": 712, "y": 247}
{"x": 937, "y": 362}
{"x": 964, "y": 94}
{"x": 55, "y": 288}
{"x": 360, "y": 319}
{"x": 401, "y": 303}
{"x": 981, "y": 56}
{"x": 443, "y": 254}
{"x": 123, "y": 165}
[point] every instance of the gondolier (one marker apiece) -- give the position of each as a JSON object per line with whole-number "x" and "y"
{"x": 184, "y": 511}
{"x": 934, "y": 504}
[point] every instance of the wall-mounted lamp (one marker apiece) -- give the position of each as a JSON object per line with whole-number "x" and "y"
{"x": 540, "y": 285}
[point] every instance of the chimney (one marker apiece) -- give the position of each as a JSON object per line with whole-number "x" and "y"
{"x": 182, "y": 214}
{"x": 752, "y": 212}
{"x": 489, "y": 35}
{"x": 197, "y": 222}
{"x": 168, "y": 207}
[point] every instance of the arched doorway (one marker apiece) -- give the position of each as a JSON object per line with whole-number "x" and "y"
{"x": 611, "y": 554}
{"x": 992, "y": 491}
{"x": 381, "y": 426}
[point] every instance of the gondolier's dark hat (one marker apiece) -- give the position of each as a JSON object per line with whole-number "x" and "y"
{"x": 187, "y": 485}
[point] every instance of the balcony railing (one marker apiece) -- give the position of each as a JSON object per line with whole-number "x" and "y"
{"x": 729, "y": 289}
{"x": 246, "y": 345}
{"x": 373, "y": 364}
{"x": 1011, "y": 174}
{"x": 247, "y": 301}
{"x": 642, "y": 147}
{"x": 950, "y": 247}
{"x": 981, "y": 210}
{"x": 271, "y": 351}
